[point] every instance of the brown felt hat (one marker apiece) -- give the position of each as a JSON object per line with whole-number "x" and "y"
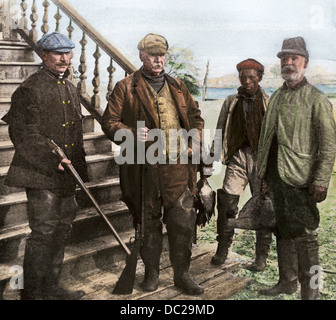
{"x": 153, "y": 44}
{"x": 250, "y": 64}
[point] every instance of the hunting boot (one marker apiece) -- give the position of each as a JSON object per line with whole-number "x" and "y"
{"x": 52, "y": 289}
{"x": 263, "y": 243}
{"x": 227, "y": 207}
{"x": 150, "y": 253}
{"x": 180, "y": 220}
{"x": 288, "y": 269}
{"x": 307, "y": 248}
{"x": 35, "y": 268}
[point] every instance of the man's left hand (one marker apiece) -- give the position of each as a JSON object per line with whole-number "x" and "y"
{"x": 318, "y": 193}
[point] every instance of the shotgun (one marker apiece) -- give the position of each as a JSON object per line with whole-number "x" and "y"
{"x": 125, "y": 283}
{"x": 56, "y": 149}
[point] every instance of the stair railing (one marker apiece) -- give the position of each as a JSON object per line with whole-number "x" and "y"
{"x": 91, "y": 102}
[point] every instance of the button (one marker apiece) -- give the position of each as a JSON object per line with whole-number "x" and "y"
{"x": 58, "y": 82}
{"x": 66, "y": 145}
{"x": 164, "y": 151}
{"x": 63, "y": 102}
{"x": 73, "y": 145}
{"x": 63, "y": 124}
{"x": 63, "y": 82}
{"x": 68, "y": 101}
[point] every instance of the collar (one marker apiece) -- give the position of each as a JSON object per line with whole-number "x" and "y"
{"x": 242, "y": 94}
{"x": 56, "y": 75}
{"x": 298, "y": 86}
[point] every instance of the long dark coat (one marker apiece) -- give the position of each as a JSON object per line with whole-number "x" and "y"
{"x": 44, "y": 107}
{"x": 130, "y": 102}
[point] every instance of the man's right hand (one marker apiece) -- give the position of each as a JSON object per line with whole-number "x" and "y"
{"x": 142, "y": 134}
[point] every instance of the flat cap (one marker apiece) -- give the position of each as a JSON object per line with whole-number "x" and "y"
{"x": 295, "y": 45}
{"x": 55, "y": 42}
{"x": 250, "y": 64}
{"x": 153, "y": 44}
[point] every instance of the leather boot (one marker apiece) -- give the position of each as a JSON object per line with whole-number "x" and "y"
{"x": 307, "y": 248}
{"x": 227, "y": 207}
{"x": 150, "y": 253}
{"x": 35, "y": 268}
{"x": 180, "y": 220}
{"x": 263, "y": 243}
{"x": 52, "y": 289}
{"x": 288, "y": 269}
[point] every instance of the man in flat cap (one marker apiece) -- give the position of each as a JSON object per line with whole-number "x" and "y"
{"x": 47, "y": 106}
{"x": 240, "y": 121}
{"x": 159, "y": 101}
{"x": 296, "y": 156}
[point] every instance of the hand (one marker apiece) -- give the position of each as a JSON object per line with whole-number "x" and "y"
{"x": 142, "y": 134}
{"x": 62, "y": 163}
{"x": 318, "y": 193}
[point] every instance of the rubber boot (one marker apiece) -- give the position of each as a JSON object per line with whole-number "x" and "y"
{"x": 35, "y": 268}
{"x": 263, "y": 243}
{"x": 227, "y": 207}
{"x": 307, "y": 248}
{"x": 150, "y": 253}
{"x": 180, "y": 220}
{"x": 288, "y": 269}
{"x": 52, "y": 289}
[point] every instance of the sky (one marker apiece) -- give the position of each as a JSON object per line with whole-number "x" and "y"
{"x": 223, "y": 32}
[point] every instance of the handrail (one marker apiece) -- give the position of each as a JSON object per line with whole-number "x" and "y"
{"x": 94, "y": 35}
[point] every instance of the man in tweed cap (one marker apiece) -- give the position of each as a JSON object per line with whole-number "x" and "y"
{"x": 47, "y": 106}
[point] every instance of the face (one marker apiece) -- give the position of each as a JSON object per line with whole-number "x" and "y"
{"x": 56, "y": 62}
{"x": 293, "y": 67}
{"x": 249, "y": 79}
{"x": 153, "y": 64}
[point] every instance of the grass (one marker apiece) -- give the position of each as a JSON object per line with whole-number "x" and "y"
{"x": 244, "y": 245}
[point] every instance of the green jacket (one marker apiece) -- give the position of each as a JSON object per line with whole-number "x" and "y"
{"x": 302, "y": 119}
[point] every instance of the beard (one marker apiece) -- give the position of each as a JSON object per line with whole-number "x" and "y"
{"x": 296, "y": 76}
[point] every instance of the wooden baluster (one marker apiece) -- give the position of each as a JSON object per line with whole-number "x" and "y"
{"x": 70, "y": 29}
{"x": 23, "y": 21}
{"x": 57, "y": 17}
{"x": 111, "y": 71}
{"x": 45, "y": 27}
{"x": 82, "y": 66}
{"x": 95, "y": 101}
{"x": 33, "y": 18}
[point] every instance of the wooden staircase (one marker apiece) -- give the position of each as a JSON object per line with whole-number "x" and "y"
{"x": 90, "y": 237}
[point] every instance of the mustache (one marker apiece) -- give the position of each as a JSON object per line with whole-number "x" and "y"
{"x": 288, "y": 68}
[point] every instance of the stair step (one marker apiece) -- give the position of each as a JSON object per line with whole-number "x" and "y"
{"x": 17, "y": 70}
{"x": 16, "y": 51}
{"x": 13, "y": 207}
{"x": 87, "y": 225}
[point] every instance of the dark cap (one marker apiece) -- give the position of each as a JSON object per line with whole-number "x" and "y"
{"x": 295, "y": 45}
{"x": 153, "y": 44}
{"x": 55, "y": 42}
{"x": 250, "y": 64}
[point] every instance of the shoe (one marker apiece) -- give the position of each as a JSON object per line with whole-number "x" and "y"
{"x": 150, "y": 284}
{"x": 63, "y": 294}
{"x": 257, "y": 267}
{"x": 187, "y": 284}
{"x": 280, "y": 288}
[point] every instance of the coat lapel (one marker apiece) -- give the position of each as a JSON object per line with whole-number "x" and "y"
{"x": 146, "y": 100}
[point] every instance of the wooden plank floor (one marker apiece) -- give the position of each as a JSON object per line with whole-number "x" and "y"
{"x": 219, "y": 282}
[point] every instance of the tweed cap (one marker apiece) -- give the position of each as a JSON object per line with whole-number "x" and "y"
{"x": 55, "y": 42}
{"x": 153, "y": 44}
{"x": 295, "y": 45}
{"x": 250, "y": 64}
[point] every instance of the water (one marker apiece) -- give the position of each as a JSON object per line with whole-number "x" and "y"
{"x": 222, "y": 93}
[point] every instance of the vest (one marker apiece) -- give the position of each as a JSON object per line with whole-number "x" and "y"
{"x": 169, "y": 122}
